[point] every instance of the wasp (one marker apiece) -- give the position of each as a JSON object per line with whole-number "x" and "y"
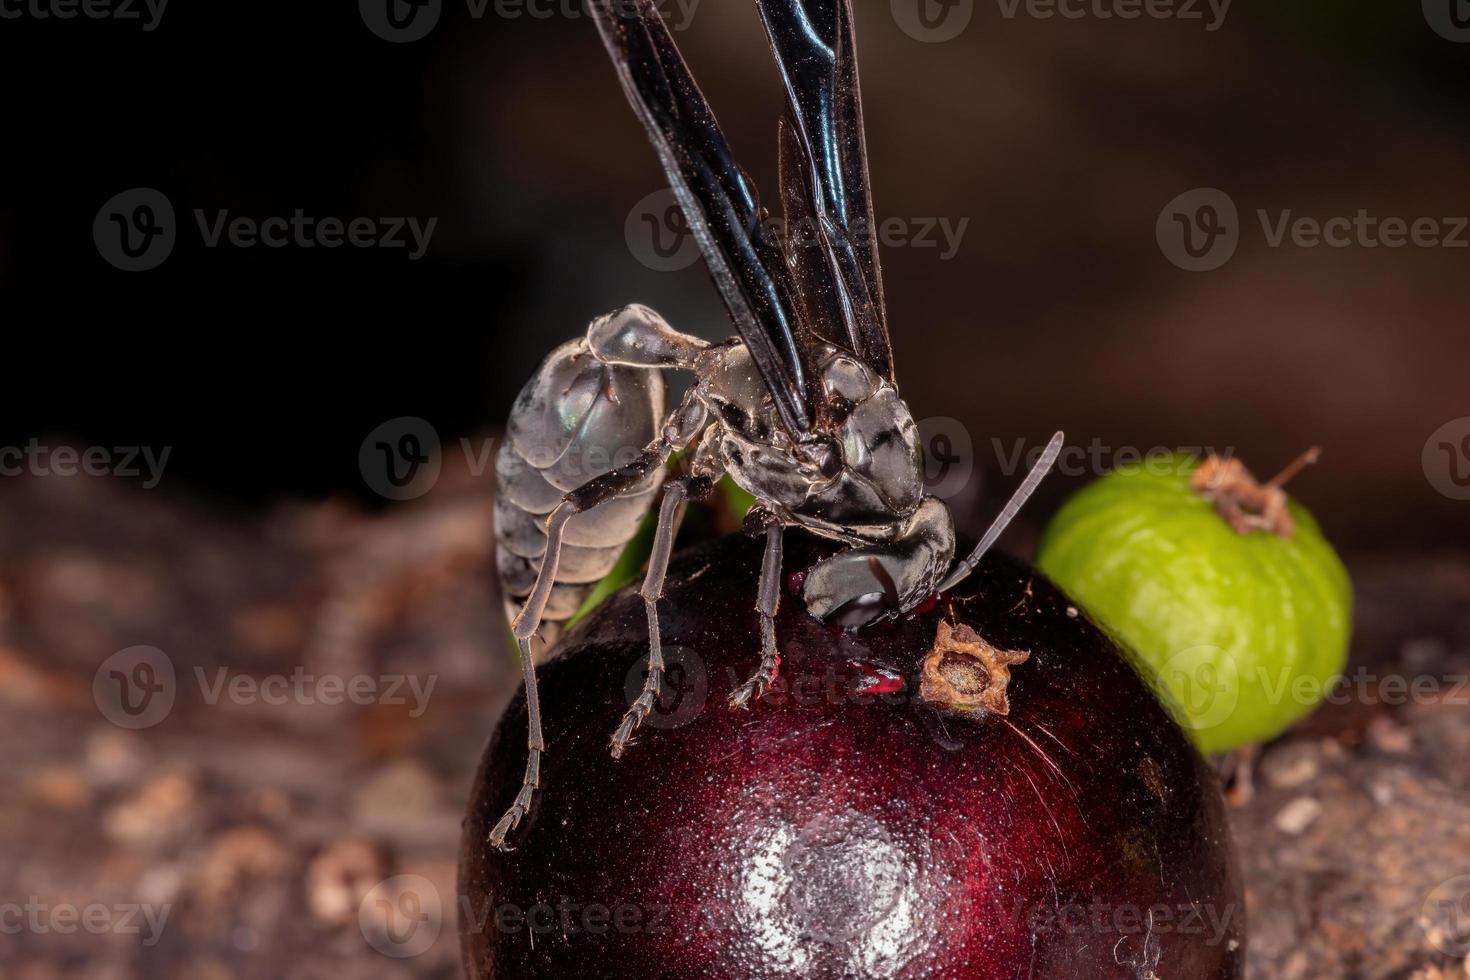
{"x": 800, "y": 409}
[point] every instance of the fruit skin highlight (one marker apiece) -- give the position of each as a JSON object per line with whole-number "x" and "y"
{"x": 1245, "y": 630}
{"x": 829, "y": 833}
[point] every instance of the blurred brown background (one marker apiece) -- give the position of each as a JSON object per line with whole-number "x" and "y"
{"x": 1054, "y": 146}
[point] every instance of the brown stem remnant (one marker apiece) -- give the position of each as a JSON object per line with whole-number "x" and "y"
{"x": 1245, "y": 504}
{"x": 964, "y": 673}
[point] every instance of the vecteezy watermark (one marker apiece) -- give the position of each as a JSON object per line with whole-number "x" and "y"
{"x": 402, "y": 916}
{"x": 301, "y": 687}
{"x": 1363, "y": 230}
{"x": 1207, "y": 682}
{"x": 1363, "y": 686}
{"x": 301, "y": 230}
{"x": 659, "y": 237}
{"x": 949, "y": 455}
{"x": 1200, "y": 229}
{"x": 1099, "y": 917}
{"x": 402, "y": 21}
{"x": 1450, "y": 19}
{"x": 138, "y": 687}
{"x": 1446, "y": 459}
{"x": 565, "y": 917}
{"x": 1098, "y": 458}
{"x": 136, "y": 230}
{"x": 135, "y": 688}
{"x": 130, "y": 462}
{"x": 97, "y": 918}
{"x": 682, "y": 690}
{"x": 1445, "y": 916}
{"x": 1210, "y": 13}
{"x": 932, "y": 21}
{"x": 400, "y": 459}
{"x": 685, "y": 685}
{"x": 148, "y": 13}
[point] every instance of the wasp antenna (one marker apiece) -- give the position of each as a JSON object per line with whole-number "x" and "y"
{"x": 1008, "y": 513}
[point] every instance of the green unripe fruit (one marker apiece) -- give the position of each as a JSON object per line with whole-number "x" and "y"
{"x": 1226, "y": 589}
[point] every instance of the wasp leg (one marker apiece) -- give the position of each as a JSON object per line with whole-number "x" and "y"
{"x": 585, "y": 497}
{"x": 768, "y": 600}
{"x": 670, "y": 512}
{"x": 535, "y": 746}
{"x": 682, "y": 425}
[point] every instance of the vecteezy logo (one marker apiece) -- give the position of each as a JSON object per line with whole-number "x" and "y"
{"x": 1446, "y": 459}
{"x": 659, "y": 235}
{"x": 135, "y": 230}
{"x": 949, "y": 456}
{"x": 1204, "y": 682}
{"x": 932, "y": 21}
{"x": 134, "y": 688}
{"x": 400, "y": 21}
{"x": 1199, "y": 229}
{"x": 400, "y": 459}
{"x": 1445, "y": 916}
{"x": 402, "y": 916}
{"x": 1450, "y": 19}
{"x": 682, "y": 689}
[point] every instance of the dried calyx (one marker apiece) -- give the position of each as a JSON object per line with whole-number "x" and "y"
{"x": 1245, "y": 504}
{"x": 965, "y": 673}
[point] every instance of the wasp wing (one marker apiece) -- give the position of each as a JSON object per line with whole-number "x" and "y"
{"x": 824, "y": 176}
{"x": 718, "y": 201}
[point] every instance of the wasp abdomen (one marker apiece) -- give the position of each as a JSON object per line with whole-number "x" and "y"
{"x": 577, "y": 418}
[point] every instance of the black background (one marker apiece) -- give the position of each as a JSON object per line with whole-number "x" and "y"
{"x": 1059, "y": 140}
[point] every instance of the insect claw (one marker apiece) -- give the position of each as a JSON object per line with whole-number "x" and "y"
{"x": 522, "y": 803}
{"x": 640, "y": 709}
{"x": 751, "y": 689}
{"x": 507, "y": 823}
{"x": 619, "y": 744}
{"x": 623, "y": 737}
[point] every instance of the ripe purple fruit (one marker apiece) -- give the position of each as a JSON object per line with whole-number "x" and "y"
{"x": 985, "y": 789}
